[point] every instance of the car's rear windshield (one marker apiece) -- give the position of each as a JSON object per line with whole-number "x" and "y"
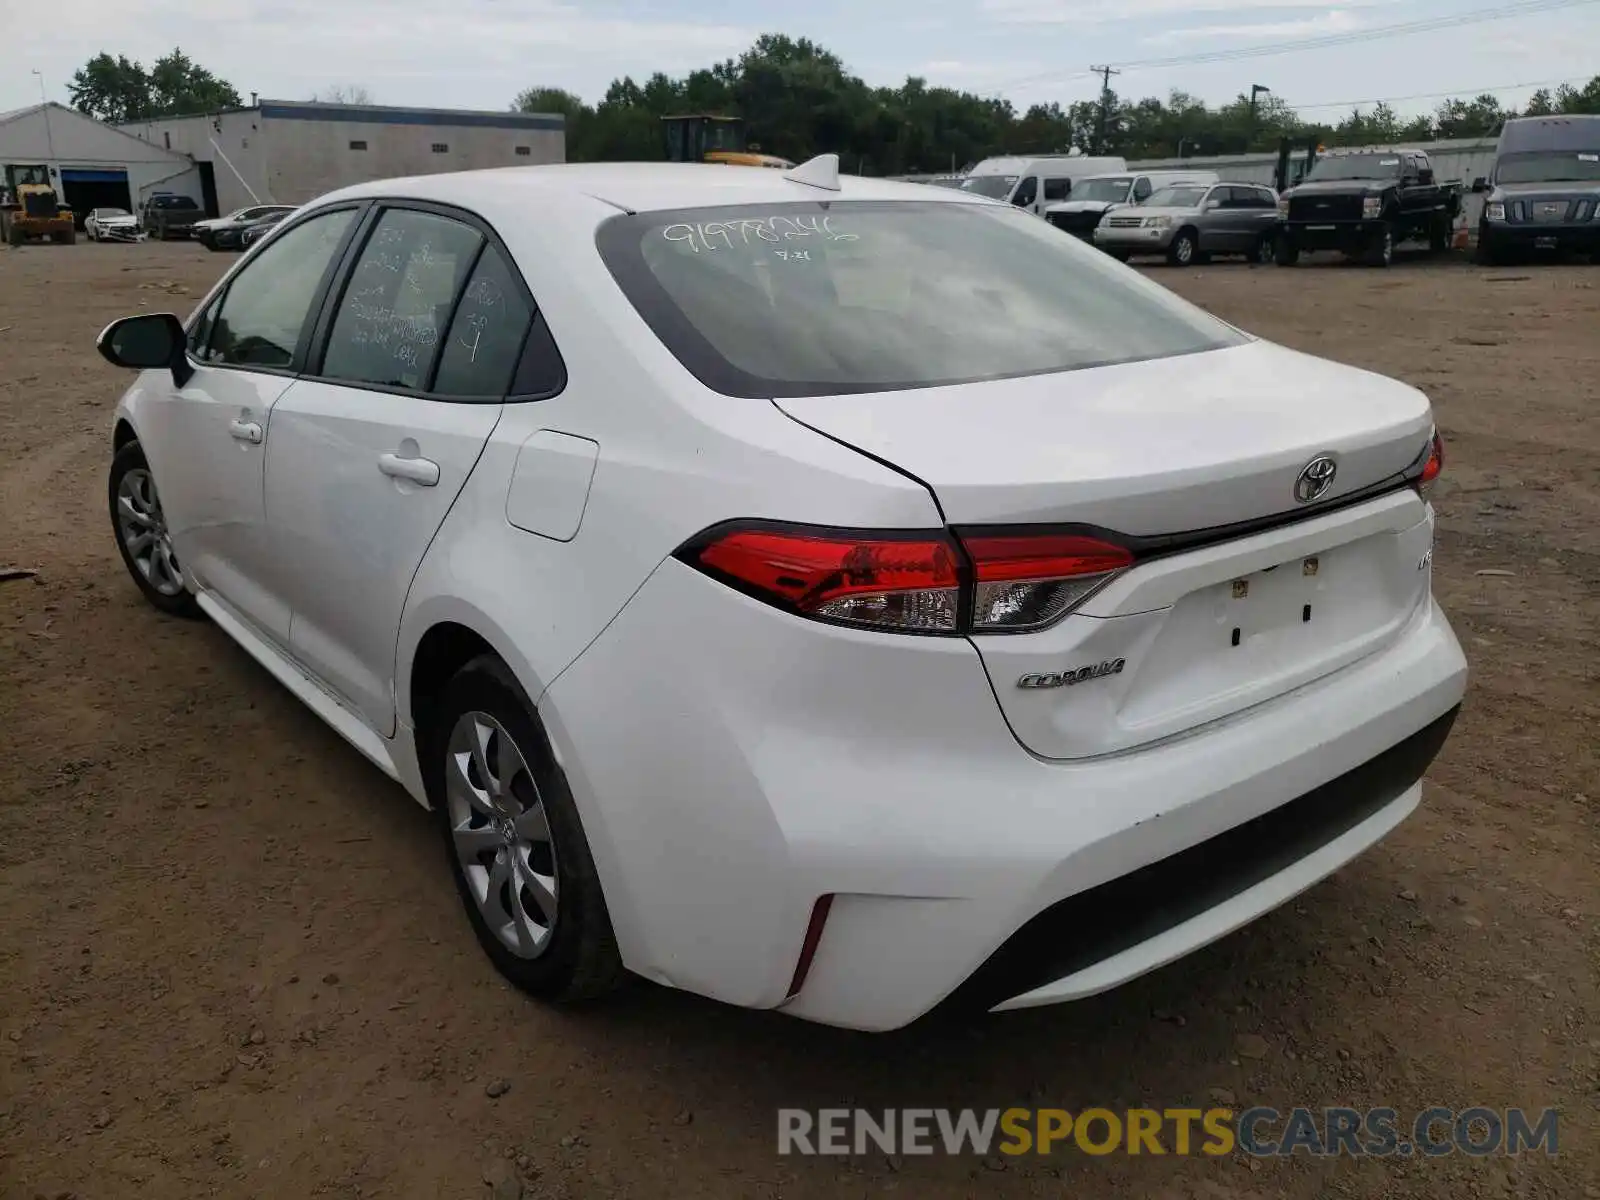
{"x": 1549, "y": 166}
{"x": 828, "y": 298}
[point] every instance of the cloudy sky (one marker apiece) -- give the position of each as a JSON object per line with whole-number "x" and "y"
{"x": 480, "y": 53}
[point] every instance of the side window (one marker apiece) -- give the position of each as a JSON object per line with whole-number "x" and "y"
{"x": 486, "y": 334}
{"x": 1266, "y": 198}
{"x": 1057, "y": 189}
{"x": 399, "y": 298}
{"x": 268, "y": 304}
{"x": 1027, "y": 192}
{"x": 1142, "y": 190}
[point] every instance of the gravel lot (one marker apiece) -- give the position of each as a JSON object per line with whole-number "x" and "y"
{"x": 231, "y": 961}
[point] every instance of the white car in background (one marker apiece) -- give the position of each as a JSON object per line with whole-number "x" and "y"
{"x": 111, "y": 225}
{"x": 821, "y": 594}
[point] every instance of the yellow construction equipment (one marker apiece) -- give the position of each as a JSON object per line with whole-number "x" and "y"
{"x": 37, "y": 214}
{"x": 710, "y": 138}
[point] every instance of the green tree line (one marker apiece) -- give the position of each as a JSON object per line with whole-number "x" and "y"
{"x": 798, "y": 99}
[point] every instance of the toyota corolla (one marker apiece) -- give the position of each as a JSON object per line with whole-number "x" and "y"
{"x": 822, "y": 594}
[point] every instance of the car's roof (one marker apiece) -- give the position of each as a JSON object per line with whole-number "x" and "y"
{"x": 639, "y": 187}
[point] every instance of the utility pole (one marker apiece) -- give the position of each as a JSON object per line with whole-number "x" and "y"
{"x": 1255, "y": 90}
{"x": 1105, "y": 74}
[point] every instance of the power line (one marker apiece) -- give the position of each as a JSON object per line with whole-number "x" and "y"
{"x": 1105, "y": 74}
{"x": 1324, "y": 41}
{"x": 1451, "y": 93}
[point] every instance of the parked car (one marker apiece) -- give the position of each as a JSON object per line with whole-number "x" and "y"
{"x": 111, "y": 225}
{"x": 1092, "y": 198}
{"x": 1032, "y": 184}
{"x": 1191, "y": 222}
{"x": 168, "y": 215}
{"x": 824, "y": 594}
{"x": 223, "y": 233}
{"x": 1363, "y": 202}
{"x": 249, "y": 234}
{"x": 1544, "y": 191}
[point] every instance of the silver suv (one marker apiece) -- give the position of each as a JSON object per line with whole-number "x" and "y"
{"x": 1190, "y": 222}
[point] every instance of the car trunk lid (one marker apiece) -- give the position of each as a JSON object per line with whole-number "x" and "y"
{"x": 1241, "y": 591}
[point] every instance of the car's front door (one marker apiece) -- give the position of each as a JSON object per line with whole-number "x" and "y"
{"x": 370, "y": 450}
{"x": 207, "y": 440}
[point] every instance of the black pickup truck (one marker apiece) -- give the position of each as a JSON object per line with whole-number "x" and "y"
{"x": 1363, "y": 202}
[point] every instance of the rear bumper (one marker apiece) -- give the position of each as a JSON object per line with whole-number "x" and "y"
{"x": 735, "y": 771}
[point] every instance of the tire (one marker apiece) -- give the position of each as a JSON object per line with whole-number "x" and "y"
{"x": 1121, "y": 256}
{"x": 1185, "y": 248}
{"x": 1487, "y": 254}
{"x": 1439, "y": 237}
{"x": 70, "y": 237}
{"x": 1266, "y": 251}
{"x": 15, "y": 236}
{"x": 135, "y": 510}
{"x": 1380, "y": 247}
{"x": 1285, "y": 253}
{"x": 574, "y": 956}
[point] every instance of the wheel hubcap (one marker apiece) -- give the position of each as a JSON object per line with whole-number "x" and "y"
{"x": 1185, "y": 250}
{"x": 501, "y": 834}
{"x": 144, "y": 532}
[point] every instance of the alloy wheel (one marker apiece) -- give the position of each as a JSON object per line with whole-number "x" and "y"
{"x": 143, "y": 528}
{"x": 501, "y": 834}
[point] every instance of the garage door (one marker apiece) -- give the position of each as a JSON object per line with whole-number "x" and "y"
{"x": 87, "y": 189}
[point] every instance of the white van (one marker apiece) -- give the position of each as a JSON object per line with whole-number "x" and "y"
{"x": 1095, "y": 196}
{"x": 1034, "y": 183}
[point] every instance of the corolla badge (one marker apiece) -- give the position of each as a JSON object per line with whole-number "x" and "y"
{"x": 1315, "y": 478}
{"x": 1073, "y": 675}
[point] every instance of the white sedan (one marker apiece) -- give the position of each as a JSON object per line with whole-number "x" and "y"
{"x": 111, "y": 224}
{"x": 821, "y": 594}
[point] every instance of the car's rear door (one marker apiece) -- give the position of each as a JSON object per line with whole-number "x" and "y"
{"x": 371, "y": 447}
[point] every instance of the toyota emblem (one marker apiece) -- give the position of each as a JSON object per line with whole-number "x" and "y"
{"x": 1315, "y": 478}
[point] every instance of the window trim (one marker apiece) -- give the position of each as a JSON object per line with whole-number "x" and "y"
{"x": 331, "y": 298}
{"x": 219, "y": 297}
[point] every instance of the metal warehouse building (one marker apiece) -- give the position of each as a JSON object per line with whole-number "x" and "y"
{"x": 89, "y": 164}
{"x": 288, "y": 152}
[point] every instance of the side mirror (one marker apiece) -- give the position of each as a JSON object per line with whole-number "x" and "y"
{"x": 146, "y": 342}
{"x": 1480, "y": 184}
{"x": 1211, "y": 204}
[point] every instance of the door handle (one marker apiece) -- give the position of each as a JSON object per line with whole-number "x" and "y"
{"x": 421, "y": 471}
{"x": 245, "y": 431}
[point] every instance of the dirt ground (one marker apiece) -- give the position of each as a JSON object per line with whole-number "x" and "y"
{"x": 231, "y": 961}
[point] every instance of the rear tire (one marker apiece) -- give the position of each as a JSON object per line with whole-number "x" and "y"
{"x": 1185, "y": 248}
{"x": 514, "y": 841}
{"x": 1439, "y": 236}
{"x": 140, "y": 528}
{"x": 1266, "y": 251}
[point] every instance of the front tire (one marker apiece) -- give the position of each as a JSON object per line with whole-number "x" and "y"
{"x": 514, "y": 841}
{"x": 1185, "y": 248}
{"x": 142, "y": 536}
{"x": 1285, "y": 253}
{"x": 1380, "y": 247}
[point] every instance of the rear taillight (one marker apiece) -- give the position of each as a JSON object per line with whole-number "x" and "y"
{"x": 918, "y": 582}
{"x": 910, "y": 583}
{"x": 1028, "y": 581}
{"x": 1429, "y": 464}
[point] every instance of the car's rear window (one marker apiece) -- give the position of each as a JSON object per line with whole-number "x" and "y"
{"x": 828, "y": 298}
